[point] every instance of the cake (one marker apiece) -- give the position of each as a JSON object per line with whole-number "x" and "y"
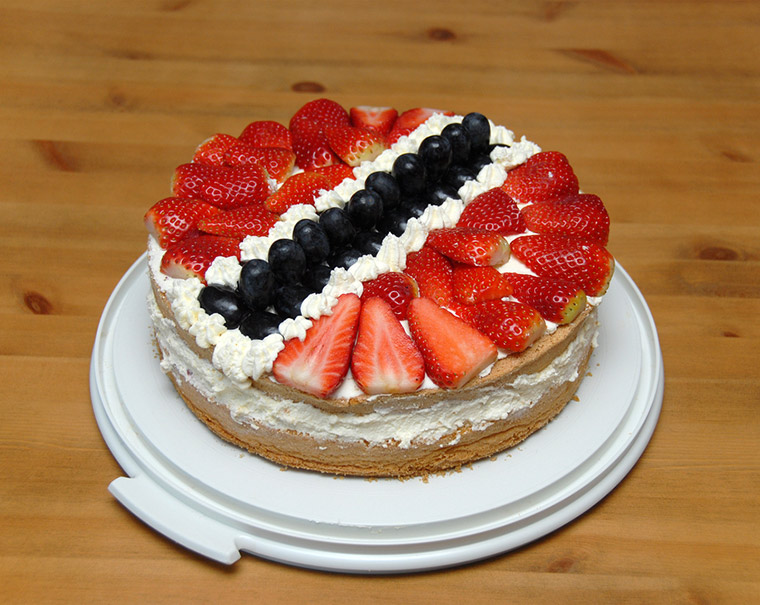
{"x": 376, "y": 293}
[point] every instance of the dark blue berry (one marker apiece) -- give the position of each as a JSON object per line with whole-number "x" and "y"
{"x": 288, "y": 299}
{"x": 312, "y": 238}
{"x": 338, "y": 227}
{"x": 226, "y": 302}
{"x": 316, "y": 277}
{"x": 415, "y": 206}
{"x": 457, "y": 175}
{"x": 287, "y": 260}
{"x": 435, "y": 152}
{"x": 479, "y": 129}
{"x": 256, "y": 284}
{"x": 364, "y": 209}
{"x": 477, "y": 163}
{"x": 368, "y": 242}
{"x": 394, "y": 221}
{"x": 344, "y": 258}
{"x": 456, "y": 134}
{"x": 438, "y": 193}
{"x": 386, "y": 187}
{"x": 409, "y": 172}
{"x": 260, "y": 324}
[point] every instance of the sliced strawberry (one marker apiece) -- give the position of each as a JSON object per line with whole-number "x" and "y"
{"x": 191, "y": 257}
{"x": 396, "y": 289}
{"x": 433, "y": 273}
{"x": 212, "y": 150}
{"x": 172, "y": 218}
{"x": 307, "y": 127}
{"x": 511, "y": 325}
{"x": 266, "y": 133}
{"x": 188, "y": 179}
{"x": 354, "y": 145}
{"x": 544, "y": 176}
{"x": 379, "y": 119}
{"x": 581, "y": 215}
{"x": 301, "y": 188}
{"x": 584, "y": 264}
{"x": 493, "y": 210}
{"x": 385, "y": 360}
{"x": 277, "y": 161}
{"x": 454, "y": 352}
{"x": 240, "y": 222}
{"x": 335, "y": 173}
{"x": 470, "y": 246}
{"x": 463, "y": 311}
{"x": 476, "y": 284}
{"x": 410, "y": 120}
{"x": 555, "y": 299}
{"x": 235, "y": 187}
{"x": 323, "y": 112}
{"x": 319, "y": 363}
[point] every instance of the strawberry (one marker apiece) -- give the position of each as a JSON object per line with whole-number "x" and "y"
{"x": 581, "y": 215}
{"x": 188, "y": 179}
{"x": 266, "y": 133}
{"x": 410, "y": 120}
{"x": 454, "y": 352}
{"x": 432, "y": 272}
{"x": 277, "y": 161}
{"x": 301, "y": 188}
{"x": 240, "y": 222}
{"x": 470, "y": 246}
{"x": 172, "y": 218}
{"x": 584, "y": 264}
{"x": 556, "y": 300}
{"x": 493, "y": 210}
{"x": 385, "y": 360}
{"x": 546, "y": 175}
{"x": 191, "y": 257}
{"x": 235, "y": 187}
{"x": 379, "y": 119}
{"x": 212, "y": 150}
{"x": 396, "y": 289}
{"x": 319, "y": 363}
{"x": 465, "y": 312}
{"x": 354, "y": 145}
{"x": 511, "y": 325}
{"x": 475, "y": 284}
{"x": 335, "y": 173}
{"x": 323, "y": 112}
{"x": 307, "y": 127}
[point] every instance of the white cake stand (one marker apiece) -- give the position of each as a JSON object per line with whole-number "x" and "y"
{"x": 219, "y": 501}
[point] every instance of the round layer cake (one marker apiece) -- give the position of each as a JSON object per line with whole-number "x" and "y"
{"x": 376, "y": 294}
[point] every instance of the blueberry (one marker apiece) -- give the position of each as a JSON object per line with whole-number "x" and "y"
{"x": 479, "y": 129}
{"x": 438, "y": 193}
{"x": 456, "y": 134}
{"x": 312, "y": 238}
{"x": 256, "y": 284}
{"x": 260, "y": 324}
{"x": 316, "y": 277}
{"x": 287, "y": 260}
{"x": 409, "y": 172}
{"x": 477, "y": 163}
{"x": 338, "y": 227}
{"x": 394, "y": 221}
{"x": 415, "y": 206}
{"x": 435, "y": 152}
{"x": 364, "y": 209}
{"x": 226, "y": 302}
{"x": 288, "y": 299}
{"x": 344, "y": 258}
{"x": 386, "y": 187}
{"x": 368, "y": 242}
{"x": 458, "y": 175}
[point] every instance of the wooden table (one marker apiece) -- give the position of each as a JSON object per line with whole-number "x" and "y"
{"x": 655, "y": 103}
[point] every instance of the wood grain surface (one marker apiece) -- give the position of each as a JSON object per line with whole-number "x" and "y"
{"x": 657, "y": 105}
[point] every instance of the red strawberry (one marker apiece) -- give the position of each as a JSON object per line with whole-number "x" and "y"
{"x": 354, "y": 145}
{"x": 581, "y": 215}
{"x": 493, "y": 210}
{"x": 307, "y": 127}
{"x": 235, "y": 187}
{"x": 454, "y": 352}
{"x": 410, "y": 120}
{"x": 379, "y": 119}
{"x": 266, "y": 133}
{"x": 212, "y": 150}
{"x": 470, "y": 246}
{"x": 277, "y": 161}
{"x": 584, "y": 264}
{"x": 465, "y": 312}
{"x": 511, "y": 325}
{"x": 432, "y": 272}
{"x": 385, "y": 359}
{"x": 396, "y": 289}
{"x": 172, "y": 218}
{"x": 476, "y": 284}
{"x": 188, "y": 179}
{"x": 324, "y": 112}
{"x": 240, "y": 222}
{"x": 319, "y": 363}
{"x": 301, "y": 188}
{"x": 556, "y": 300}
{"x": 544, "y": 176}
{"x": 335, "y": 173}
{"x": 191, "y": 257}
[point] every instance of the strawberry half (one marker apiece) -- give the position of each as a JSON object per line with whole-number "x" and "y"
{"x": 385, "y": 360}
{"x": 239, "y": 222}
{"x": 454, "y": 352}
{"x": 493, "y": 210}
{"x": 171, "y": 219}
{"x": 354, "y": 145}
{"x": 266, "y": 133}
{"x": 191, "y": 257}
{"x": 235, "y": 187}
{"x": 212, "y": 150}
{"x": 433, "y": 273}
{"x": 544, "y": 176}
{"x": 379, "y": 119}
{"x": 188, "y": 179}
{"x": 475, "y": 284}
{"x": 511, "y": 325}
{"x": 396, "y": 289}
{"x": 335, "y": 173}
{"x": 584, "y": 264}
{"x": 277, "y": 161}
{"x": 307, "y": 127}
{"x": 581, "y": 215}
{"x": 470, "y": 246}
{"x": 410, "y": 120}
{"x": 301, "y": 188}
{"x": 556, "y": 300}
{"x": 319, "y": 363}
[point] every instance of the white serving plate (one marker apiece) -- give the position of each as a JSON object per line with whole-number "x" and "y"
{"x": 219, "y": 500}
